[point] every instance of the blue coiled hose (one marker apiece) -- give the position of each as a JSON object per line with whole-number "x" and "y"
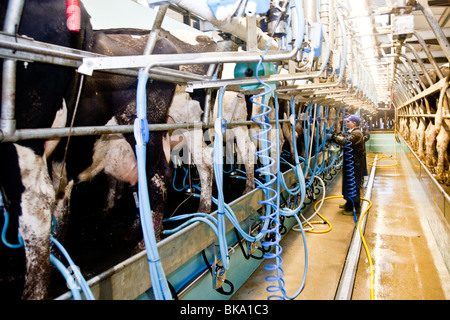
{"x": 271, "y": 217}
{"x": 271, "y": 201}
{"x": 286, "y": 211}
{"x": 350, "y": 172}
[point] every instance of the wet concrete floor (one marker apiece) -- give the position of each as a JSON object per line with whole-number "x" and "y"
{"x": 407, "y": 264}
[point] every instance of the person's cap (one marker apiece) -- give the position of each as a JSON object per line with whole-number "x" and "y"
{"x": 354, "y": 118}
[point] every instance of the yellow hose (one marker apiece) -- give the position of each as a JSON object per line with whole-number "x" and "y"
{"x": 322, "y": 217}
{"x": 372, "y": 286}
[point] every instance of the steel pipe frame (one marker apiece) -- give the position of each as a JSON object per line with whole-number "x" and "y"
{"x": 440, "y": 36}
{"x": 64, "y": 56}
{"x": 72, "y": 57}
{"x": 428, "y": 54}
{"x": 419, "y": 61}
{"x": 410, "y": 74}
{"x": 443, "y": 42}
{"x": 430, "y": 90}
{"x": 12, "y": 20}
{"x": 150, "y": 61}
{"x": 55, "y": 133}
{"x": 422, "y": 115}
{"x": 25, "y": 49}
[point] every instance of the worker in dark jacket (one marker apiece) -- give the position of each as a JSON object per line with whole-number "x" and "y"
{"x": 366, "y": 135}
{"x": 354, "y": 159}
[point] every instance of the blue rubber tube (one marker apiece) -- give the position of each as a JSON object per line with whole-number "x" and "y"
{"x": 159, "y": 282}
{"x": 5, "y": 229}
{"x": 220, "y": 129}
{"x": 71, "y": 283}
{"x": 78, "y": 276}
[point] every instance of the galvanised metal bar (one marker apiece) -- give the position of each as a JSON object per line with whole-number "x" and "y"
{"x": 55, "y": 133}
{"x": 432, "y": 89}
{"x": 25, "y": 49}
{"x": 12, "y": 21}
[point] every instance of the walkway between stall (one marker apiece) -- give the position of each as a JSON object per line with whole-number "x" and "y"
{"x": 406, "y": 259}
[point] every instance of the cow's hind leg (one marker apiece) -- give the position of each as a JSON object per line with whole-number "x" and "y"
{"x": 37, "y": 203}
{"x": 246, "y": 150}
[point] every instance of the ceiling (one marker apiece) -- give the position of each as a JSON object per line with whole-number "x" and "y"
{"x": 383, "y": 39}
{"x": 383, "y": 51}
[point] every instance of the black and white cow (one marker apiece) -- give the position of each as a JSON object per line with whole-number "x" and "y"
{"x": 108, "y": 96}
{"x": 40, "y": 90}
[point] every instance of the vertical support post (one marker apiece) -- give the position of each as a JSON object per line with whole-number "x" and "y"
{"x": 11, "y": 24}
{"x": 155, "y": 29}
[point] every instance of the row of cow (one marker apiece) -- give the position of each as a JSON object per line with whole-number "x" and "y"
{"x": 427, "y": 131}
{"x": 38, "y": 178}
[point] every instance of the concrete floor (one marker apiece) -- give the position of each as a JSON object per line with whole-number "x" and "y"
{"x": 407, "y": 263}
